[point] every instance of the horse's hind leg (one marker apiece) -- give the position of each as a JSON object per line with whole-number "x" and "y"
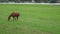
{"x": 17, "y": 17}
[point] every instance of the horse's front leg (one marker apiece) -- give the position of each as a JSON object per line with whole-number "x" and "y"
{"x": 13, "y": 18}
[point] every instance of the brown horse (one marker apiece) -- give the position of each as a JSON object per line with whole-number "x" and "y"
{"x": 14, "y": 15}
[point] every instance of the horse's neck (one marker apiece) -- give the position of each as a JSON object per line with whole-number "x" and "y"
{"x": 9, "y": 16}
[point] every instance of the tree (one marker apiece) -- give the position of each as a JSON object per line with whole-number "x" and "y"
{"x": 38, "y": 1}
{"x": 45, "y": 1}
{"x": 53, "y": 1}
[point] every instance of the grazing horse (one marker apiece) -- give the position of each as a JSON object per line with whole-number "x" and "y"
{"x": 14, "y": 15}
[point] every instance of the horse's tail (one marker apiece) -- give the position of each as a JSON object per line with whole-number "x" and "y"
{"x": 9, "y": 17}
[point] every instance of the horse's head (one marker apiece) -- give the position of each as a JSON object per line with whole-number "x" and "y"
{"x": 9, "y": 17}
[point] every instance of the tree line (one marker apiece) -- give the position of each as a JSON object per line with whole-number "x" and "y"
{"x": 35, "y": 1}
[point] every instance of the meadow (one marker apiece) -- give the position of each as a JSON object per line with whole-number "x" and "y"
{"x": 34, "y": 19}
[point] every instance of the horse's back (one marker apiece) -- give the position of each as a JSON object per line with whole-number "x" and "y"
{"x": 15, "y": 14}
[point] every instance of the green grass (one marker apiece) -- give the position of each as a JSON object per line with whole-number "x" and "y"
{"x": 34, "y": 19}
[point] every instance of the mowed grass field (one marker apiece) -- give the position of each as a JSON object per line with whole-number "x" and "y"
{"x": 34, "y": 19}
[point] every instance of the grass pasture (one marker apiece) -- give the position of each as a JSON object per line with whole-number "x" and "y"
{"x": 34, "y": 19}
